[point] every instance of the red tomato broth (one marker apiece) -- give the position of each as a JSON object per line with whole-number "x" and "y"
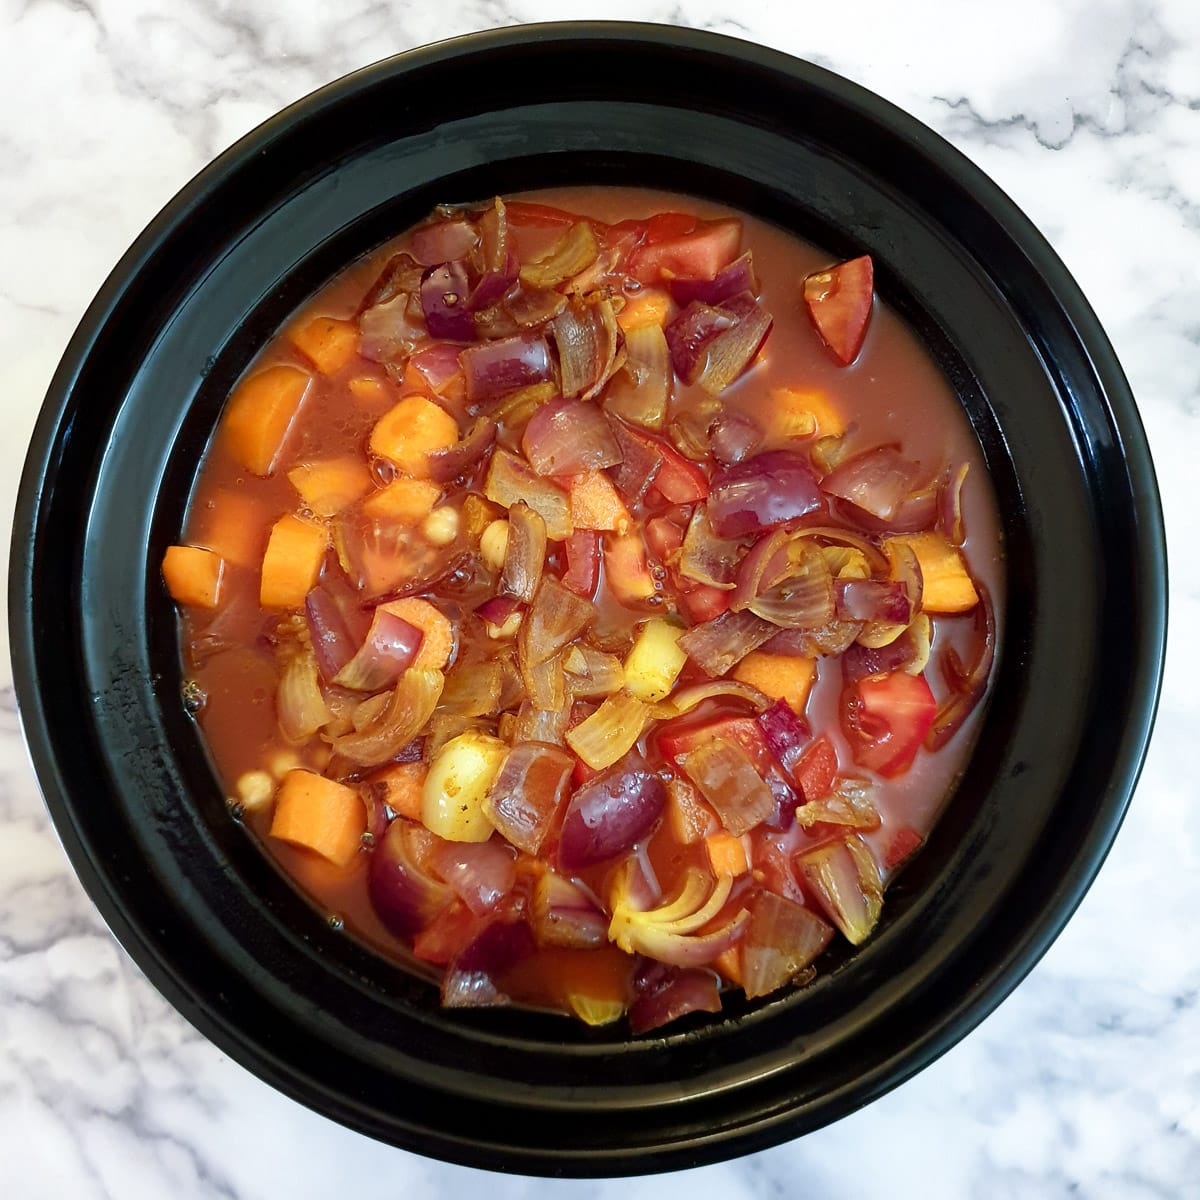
{"x": 893, "y": 393}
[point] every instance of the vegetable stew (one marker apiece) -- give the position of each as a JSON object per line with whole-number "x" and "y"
{"x": 588, "y": 600}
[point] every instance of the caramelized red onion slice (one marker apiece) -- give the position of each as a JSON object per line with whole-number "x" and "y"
{"x": 829, "y": 640}
{"x": 545, "y": 684}
{"x": 524, "y": 553}
{"x": 472, "y": 690}
{"x": 528, "y": 793}
{"x": 566, "y": 915}
{"x": 732, "y": 351}
{"x": 575, "y": 251}
{"x": 692, "y": 697}
{"x": 492, "y": 369}
{"x": 388, "y": 651}
{"x": 404, "y": 896}
{"x": 541, "y": 724}
{"x": 729, "y": 780}
{"x": 496, "y": 259}
{"x": 734, "y": 438}
{"x": 877, "y": 481}
{"x": 481, "y": 874}
{"x": 568, "y": 437}
{"x": 967, "y": 683}
{"x": 763, "y": 566}
{"x": 848, "y": 804}
{"x": 337, "y": 623}
{"x": 785, "y": 733}
{"x": 950, "y": 515}
{"x": 392, "y": 330}
{"x": 556, "y": 618}
{"x": 437, "y": 364}
{"x": 706, "y": 558}
{"x": 804, "y": 597}
{"x": 873, "y": 600}
{"x": 300, "y": 706}
{"x": 587, "y": 339}
{"x": 761, "y": 493}
{"x": 671, "y": 933}
{"x": 409, "y": 707}
{"x": 471, "y": 978}
{"x": 401, "y": 276}
{"x": 510, "y": 481}
{"x": 905, "y": 570}
{"x": 876, "y": 561}
{"x": 444, "y": 241}
{"x": 782, "y": 941}
{"x": 497, "y": 609}
{"x": 737, "y": 277}
{"x": 640, "y": 463}
{"x": 444, "y": 290}
{"x": 610, "y": 732}
{"x": 845, "y": 879}
{"x": 610, "y": 813}
{"x": 447, "y": 465}
{"x": 665, "y": 994}
{"x": 719, "y": 645}
{"x": 641, "y": 390}
{"x": 689, "y": 335}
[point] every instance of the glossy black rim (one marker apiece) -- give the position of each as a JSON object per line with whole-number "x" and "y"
{"x": 327, "y": 1023}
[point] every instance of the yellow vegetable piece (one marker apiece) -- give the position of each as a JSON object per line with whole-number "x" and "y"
{"x": 655, "y": 660}
{"x": 459, "y": 779}
{"x": 798, "y": 412}
{"x": 595, "y": 1010}
{"x": 946, "y": 584}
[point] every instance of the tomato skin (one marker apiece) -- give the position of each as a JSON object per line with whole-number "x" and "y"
{"x": 839, "y": 302}
{"x": 703, "y": 603}
{"x": 885, "y": 719}
{"x": 667, "y": 226}
{"x": 582, "y": 551}
{"x": 698, "y": 254}
{"x": 817, "y": 769}
{"x": 663, "y": 538}
{"x": 679, "y": 480}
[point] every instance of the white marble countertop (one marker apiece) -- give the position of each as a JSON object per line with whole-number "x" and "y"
{"x": 1087, "y": 1080}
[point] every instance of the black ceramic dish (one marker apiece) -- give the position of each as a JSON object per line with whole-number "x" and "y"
{"x": 116, "y": 450}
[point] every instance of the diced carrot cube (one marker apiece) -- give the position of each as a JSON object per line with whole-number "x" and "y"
{"x": 321, "y": 815}
{"x": 233, "y": 525}
{"x": 596, "y": 503}
{"x": 438, "y": 642}
{"x": 794, "y": 411}
{"x": 193, "y": 576}
{"x": 405, "y": 501}
{"x": 327, "y": 342}
{"x": 946, "y": 584}
{"x": 411, "y": 431}
{"x": 650, "y": 306}
{"x": 780, "y": 676}
{"x": 260, "y": 414}
{"x": 402, "y": 786}
{"x": 689, "y": 817}
{"x": 292, "y": 563}
{"x": 726, "y": 854}
{"x": 328, "y": 487}
{"x": 373, "y": 393}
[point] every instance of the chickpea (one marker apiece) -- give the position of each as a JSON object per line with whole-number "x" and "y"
{"x": 441, "y": 526}
{"x": 255, "y": 790}
{"x": 493, "y": 544}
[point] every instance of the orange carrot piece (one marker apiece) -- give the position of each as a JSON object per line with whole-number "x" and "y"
{"x": 438, "y": 642}
{"x": 292, "y": 563}
{"x": 729, "y": 964}
{"x": 596, "y": 503}
{"x": 371, "y": 392}
{"x": 328, "y": 487}
{"x": 193, "y": 576}
{"x": 321, "y": 815}
{"x": 402, "y": 786}
{"x": 690, "y": 818}
{"x": 405, "y": 501}
{"x": 946, "y": 583}
{"x": 793, "y": 410}
{"x": 780, "y": 676}
{"x": 649, "y": 307}
{"x": 234, "y": 526}
{"x": 411, "y": 431}
{"x": 726, "y": 854}
{"x": 260, "y": 414}
{"x": 327, "y": 342}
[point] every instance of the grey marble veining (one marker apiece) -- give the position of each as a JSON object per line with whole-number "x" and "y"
{"x": 1086, "y": 1082}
